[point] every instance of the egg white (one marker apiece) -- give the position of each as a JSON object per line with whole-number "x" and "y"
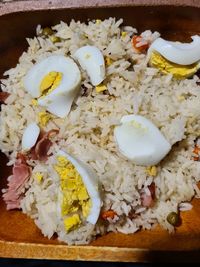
{"x": 59, "y": 101}
{"x": 91, "y": 59}
{"x": 177, "y": 52}
{"x": 30, "y": 136}
{"x": 140, "y": 141}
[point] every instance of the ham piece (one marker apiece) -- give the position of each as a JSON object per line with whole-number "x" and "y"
{"x": 16, "y": 183}
{"x": 21, "y": 171}
{"x": 40, "y": 150}
{"x": 3, "y": 96}
{"x": 147, "y": 200}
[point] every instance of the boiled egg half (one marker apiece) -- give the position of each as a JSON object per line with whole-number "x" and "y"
{"x": 92, "y": 61}
{"x": 79, "y": 192}
{"x": 179, "y": 59}
{"x": 140, "y": 141}
{"x": 55, "y": 82}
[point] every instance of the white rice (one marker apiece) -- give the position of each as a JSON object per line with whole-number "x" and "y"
{"x": 87, "y": 133}
{"x": 185, "y": 206}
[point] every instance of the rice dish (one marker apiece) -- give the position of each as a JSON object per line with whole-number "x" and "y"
{"x": 130, "y": 86}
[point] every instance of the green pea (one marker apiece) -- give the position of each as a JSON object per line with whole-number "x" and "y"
{"x": 47, "y": 31}
{"x": 55, "y": 39}
{"x": 173, "y": 218}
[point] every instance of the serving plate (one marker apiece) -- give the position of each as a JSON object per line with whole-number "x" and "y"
{"x": 19, "y": 237}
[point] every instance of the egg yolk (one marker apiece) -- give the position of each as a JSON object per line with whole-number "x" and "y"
{"x": 166, "y": 66}
{"x": 72, "y": 222}
{"x": 50, "y": 82}
{"x": 137, "y": 125}
{"x": 75, "y": 196}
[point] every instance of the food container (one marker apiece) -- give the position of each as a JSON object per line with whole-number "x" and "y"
{"x": 19, "y": 237}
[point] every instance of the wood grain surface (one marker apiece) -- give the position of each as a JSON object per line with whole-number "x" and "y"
{"x": 19, "y": 237}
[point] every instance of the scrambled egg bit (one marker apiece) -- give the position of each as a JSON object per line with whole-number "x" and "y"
{"x": 151, "y": 170}
{"x": 124, "y": 34}
{"x": 44, "y": 118}
{"x": 76, "y": 200}
{"x": 166, "y": 66}
{"x": 34, "y": 102}
{"x": 108, "y": 61}
{"x": 98, "y": 21}
{"x": 100, "y": 88}
{"x": 38, "y": 176}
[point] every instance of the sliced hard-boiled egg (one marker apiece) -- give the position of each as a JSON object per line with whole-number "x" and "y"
{"x": 165, "y": 66}
{"x": 140, "y": 141}
{"x": 79, "y": 192}
{"x": 92, "y": 61}
{"x": 30, "y": 136}
{"x": 55, "y": 81}
{"x": 179, "y": 59}
{"x": 177, "y": 52}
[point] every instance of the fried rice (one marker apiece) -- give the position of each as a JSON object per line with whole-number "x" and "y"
{"x": 87, "y": 132}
